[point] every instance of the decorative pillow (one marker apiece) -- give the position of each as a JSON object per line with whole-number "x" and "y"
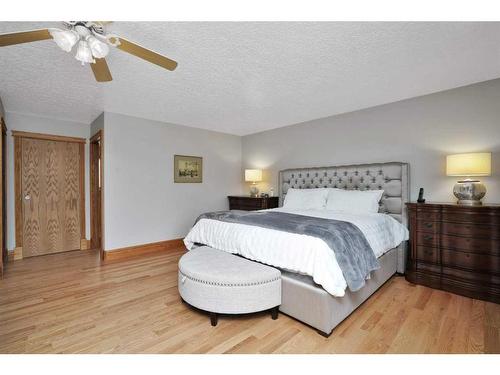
{"x": 306, "y": 199}
{"x": 357, "y": 201}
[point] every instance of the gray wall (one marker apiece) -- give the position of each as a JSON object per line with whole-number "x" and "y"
{"x": 421, "y": 131}
{"x": 30, "y": 123}
{"x": 97, "y": 124}
{"x": 142, "y": 202}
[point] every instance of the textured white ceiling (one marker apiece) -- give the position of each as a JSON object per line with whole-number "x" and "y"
{"x": 242, "y": 78}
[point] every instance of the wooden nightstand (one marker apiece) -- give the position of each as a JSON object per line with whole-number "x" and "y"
{"x": 247, "y": 203}
{"x": 455, "y": 248}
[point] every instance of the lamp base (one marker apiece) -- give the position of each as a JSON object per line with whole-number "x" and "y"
{"x": 469, "y": 192}
{"x": 254, "y": 190}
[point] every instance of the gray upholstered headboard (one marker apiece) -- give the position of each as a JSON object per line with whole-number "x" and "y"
{"x": 391, "y": 177}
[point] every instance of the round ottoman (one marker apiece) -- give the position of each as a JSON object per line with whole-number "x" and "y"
{"x": 223, "y": 283}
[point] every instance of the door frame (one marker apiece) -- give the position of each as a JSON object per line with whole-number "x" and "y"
{"x": 18, "y": 194}
{"x": 3, "y": 197}
{"x": 98, "y": 137}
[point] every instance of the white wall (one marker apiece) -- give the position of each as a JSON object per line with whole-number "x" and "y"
{"x": 421, "y": 131}
{"x": 142, "y": 202}
{"x": 31, "y": 123}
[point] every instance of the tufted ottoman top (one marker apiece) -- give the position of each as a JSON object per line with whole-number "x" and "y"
{"x": 207, "y": 265}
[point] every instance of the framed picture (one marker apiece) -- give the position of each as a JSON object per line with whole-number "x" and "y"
{"x": 188, "y": 168}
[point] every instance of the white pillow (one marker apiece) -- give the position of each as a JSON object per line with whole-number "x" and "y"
{"x": 357, "y": 201}
{"x": 305, "y": 199}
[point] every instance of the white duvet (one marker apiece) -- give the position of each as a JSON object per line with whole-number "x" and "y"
{"x": 296, "y": 252}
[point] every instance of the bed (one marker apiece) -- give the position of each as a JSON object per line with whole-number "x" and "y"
{"x": 311, "y": 281}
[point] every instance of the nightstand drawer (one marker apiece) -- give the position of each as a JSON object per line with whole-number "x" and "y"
{"x": 471, "y": 230}
{"x": 473, "y": 262}
{"x": 427, "y": 239}
{"x": 248, "y": 203}
{"x": 475, "y": 245}
{"x": 428, "y": 254}
{"x": 240, "y": 204}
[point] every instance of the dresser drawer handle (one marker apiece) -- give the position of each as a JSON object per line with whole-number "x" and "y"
{"x": 458, "y": 227}
{"x": 428, "y": 225}
{"x": 428, "y": 237}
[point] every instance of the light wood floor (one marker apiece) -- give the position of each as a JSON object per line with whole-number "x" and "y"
{"x": 69, "y": 303}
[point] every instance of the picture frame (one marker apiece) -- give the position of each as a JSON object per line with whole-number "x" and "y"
{"x": 188, "y": 169}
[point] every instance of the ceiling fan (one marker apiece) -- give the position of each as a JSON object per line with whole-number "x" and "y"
{"x": 92, "y": 45}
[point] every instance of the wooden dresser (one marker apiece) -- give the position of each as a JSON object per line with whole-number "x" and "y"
{"x": 247, "y": 203}
{"x": 455, "y": 248}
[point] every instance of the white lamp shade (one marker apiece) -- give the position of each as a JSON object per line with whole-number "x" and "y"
{"x": 469, "y": 165}
{"x": 65, "y": 39}
{"x": 253, "y": 175}
{"x": 84, "y": 53}
{"x": 98, "y": 48}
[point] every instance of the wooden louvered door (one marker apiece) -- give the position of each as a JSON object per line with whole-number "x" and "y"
{"x": 51, "y": 196}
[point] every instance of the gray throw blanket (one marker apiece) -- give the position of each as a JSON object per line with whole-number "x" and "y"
{"x": 353, "y": 252}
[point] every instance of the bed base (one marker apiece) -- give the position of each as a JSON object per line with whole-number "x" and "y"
{"x": 307, "y": 302}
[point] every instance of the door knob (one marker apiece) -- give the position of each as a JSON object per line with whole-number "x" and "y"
{"x": 27, "y": 197}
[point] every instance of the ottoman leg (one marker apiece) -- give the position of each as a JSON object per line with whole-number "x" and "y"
{"x": 213, "y": 319}
{"x": 274, "y": 312}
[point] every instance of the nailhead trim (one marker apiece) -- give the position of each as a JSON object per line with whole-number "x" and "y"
{"x": 223, "y": 284}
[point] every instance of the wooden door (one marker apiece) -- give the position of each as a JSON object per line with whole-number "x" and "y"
{"x": 96, "y": 182}
{"x": 51, "y": 201}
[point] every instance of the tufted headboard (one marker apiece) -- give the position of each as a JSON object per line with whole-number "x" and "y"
{"x": 391, "y": 177}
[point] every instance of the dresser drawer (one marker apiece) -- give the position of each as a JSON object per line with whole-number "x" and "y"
{"x": 428, "y": 215}
{"x": 428, "y": 267}
{"x": 467, "y": 229}
{"x": 473, "y": 262}
{"x": 427, "y": 239}
{"x": 428, "y": 226}
{"x": 470, "y": 276}
{"x": 473, "y": 218}
{"x": 475, "y": 245}
{"x": 427, "y": 254}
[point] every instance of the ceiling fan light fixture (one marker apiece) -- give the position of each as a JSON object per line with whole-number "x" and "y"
{"x": 84, "y": 53}
{"x": 99, "y": 49}
{"x": 92, "y": 45}
{"x": 65, "y": 39}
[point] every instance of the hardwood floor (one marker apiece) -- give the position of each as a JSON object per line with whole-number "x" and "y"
{"x": 69, "y": 303}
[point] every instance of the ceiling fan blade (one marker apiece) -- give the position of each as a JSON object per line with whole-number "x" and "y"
{"x": 146, "y": 54}
{"x": 24, "y": 37}
{"x": 101, "y": 71}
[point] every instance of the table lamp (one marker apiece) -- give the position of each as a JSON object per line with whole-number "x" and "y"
{"x": 469, "y": 191}
{"x": 253, "y": 176}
